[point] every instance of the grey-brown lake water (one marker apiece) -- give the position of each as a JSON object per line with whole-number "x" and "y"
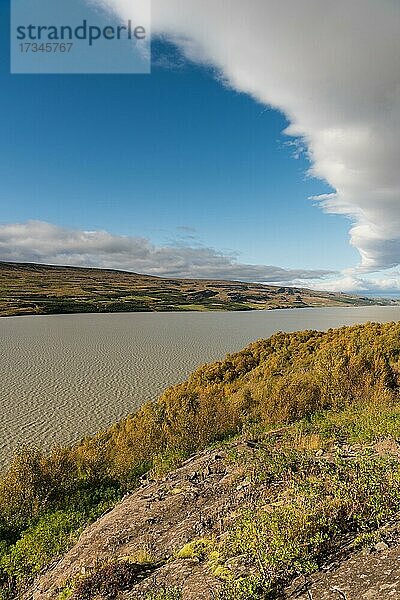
{"x": 65, "y": 376}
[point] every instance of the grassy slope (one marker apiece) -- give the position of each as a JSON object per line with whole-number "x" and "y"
{"x": 40, "y": 289}
{"x": 335, "y": 394}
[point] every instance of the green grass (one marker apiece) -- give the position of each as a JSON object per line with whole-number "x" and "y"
{"x": 195, "y": 307}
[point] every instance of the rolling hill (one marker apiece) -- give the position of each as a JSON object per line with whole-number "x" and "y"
{"x": 34, "y": 289}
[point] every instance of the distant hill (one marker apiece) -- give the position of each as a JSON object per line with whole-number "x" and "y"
{"x": 29, "y": 289}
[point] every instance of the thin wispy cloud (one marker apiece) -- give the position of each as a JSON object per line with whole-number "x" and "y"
{"x": 37, "y": 241}
{"x": 333, "y": 69}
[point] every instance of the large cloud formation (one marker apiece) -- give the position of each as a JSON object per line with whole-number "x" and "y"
{"x": 37, "y": 241}
{"x": 333, "y": 68}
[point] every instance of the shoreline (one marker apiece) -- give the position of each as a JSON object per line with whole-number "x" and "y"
{"x": 393, "y": 304}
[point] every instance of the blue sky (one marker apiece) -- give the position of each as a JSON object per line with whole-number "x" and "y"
{"x": 175, "y": 157}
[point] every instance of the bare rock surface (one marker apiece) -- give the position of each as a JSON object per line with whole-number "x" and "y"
{"x": 367, "y": 575}
{"x": 159, "y": 519}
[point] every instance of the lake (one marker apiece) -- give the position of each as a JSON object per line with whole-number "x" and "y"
{"x": 65, "y": 376}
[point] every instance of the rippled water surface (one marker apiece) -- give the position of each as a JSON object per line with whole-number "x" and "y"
{"x": 65, "y": 376}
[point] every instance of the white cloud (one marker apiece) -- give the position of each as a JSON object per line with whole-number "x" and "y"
{"x": 37, "y": 241}
{"x": 332, "y": 66}
{"x": 386, "y": 282}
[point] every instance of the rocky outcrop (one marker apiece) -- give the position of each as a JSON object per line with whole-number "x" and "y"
{"x": 148, "y": 541}
{"x": 368, "y": 575}
{"x": 156, "y": 521}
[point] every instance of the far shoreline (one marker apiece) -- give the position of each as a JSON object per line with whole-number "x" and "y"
{"x": 197, "y": 312}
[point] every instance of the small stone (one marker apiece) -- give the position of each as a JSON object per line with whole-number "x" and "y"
{"x": 381, "y": 547}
